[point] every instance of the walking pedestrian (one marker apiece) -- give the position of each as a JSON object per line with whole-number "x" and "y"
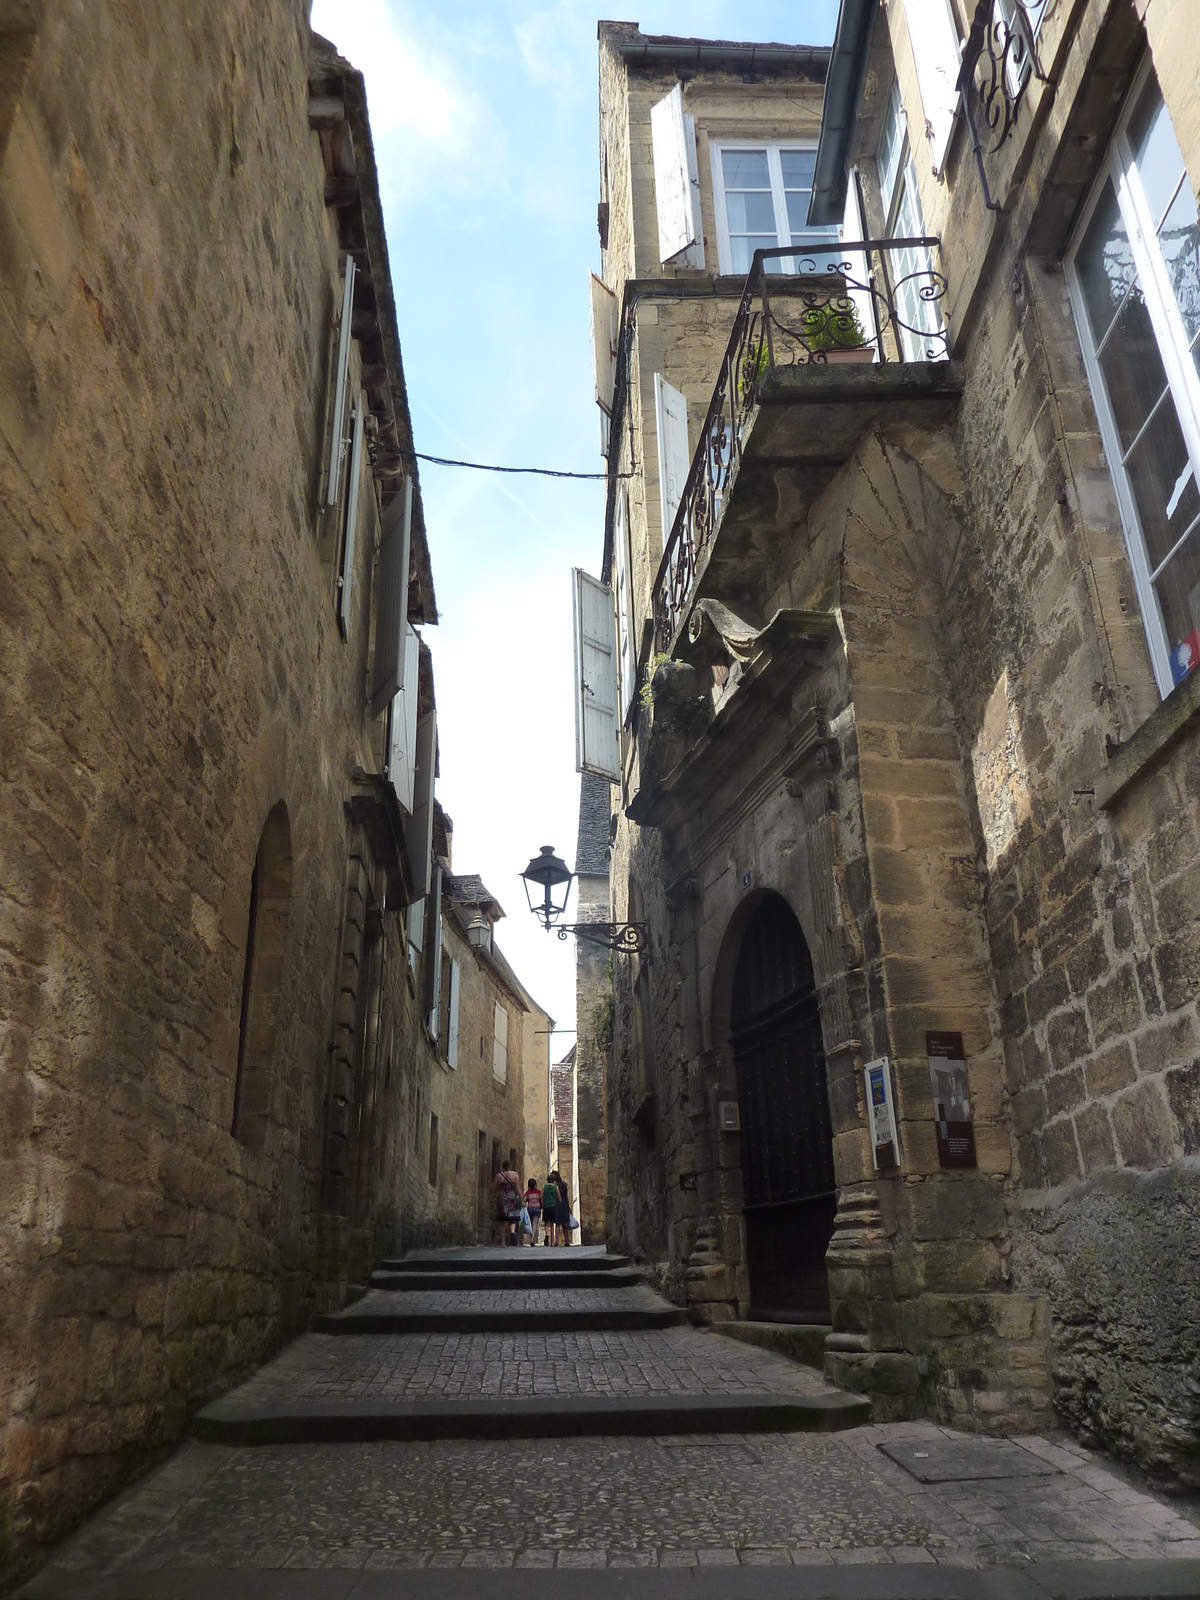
{"x": 549, "y": 1210}
{"x": 564, "y": 1213}
{"x": 533, "y": 1204}
{"x": 507, "y": 1188}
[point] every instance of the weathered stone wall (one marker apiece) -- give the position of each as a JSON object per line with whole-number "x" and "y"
{"x": 594, "y": 976}
{"x": 172, "y": 672}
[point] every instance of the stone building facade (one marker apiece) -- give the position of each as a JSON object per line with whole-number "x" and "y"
{"x": 220, "y": 933}
{"x": 907, "y": 759}
{"x": 594, "y": 967}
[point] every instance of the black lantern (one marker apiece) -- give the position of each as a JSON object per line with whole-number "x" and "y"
{"x": 547, "y": 885}
{"x": 544, "y": 876}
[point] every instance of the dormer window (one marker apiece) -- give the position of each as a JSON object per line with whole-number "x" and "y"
{"x": 761, "y": 196}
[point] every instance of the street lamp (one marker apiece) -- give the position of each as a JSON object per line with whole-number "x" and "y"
{"x": 547, "y": 885}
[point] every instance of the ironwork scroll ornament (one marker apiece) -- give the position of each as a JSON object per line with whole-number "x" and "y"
{"x": 999, "y": 60}
{"x": 627, "y": 938}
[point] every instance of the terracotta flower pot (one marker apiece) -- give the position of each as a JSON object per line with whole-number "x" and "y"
{"x": 846, "y": 357}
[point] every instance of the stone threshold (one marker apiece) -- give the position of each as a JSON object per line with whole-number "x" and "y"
{"x": 1151, "y": 743}
{"x": 585, "y": 1278}
{"x": 246, "y": 1422}
{"x": 530, "y": 1259}
{"x": 1063, "y": 1580}
{"x": 803, "y": 1342}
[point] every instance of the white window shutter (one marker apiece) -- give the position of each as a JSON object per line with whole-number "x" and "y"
{"x": 346, "y": 581}
{"x": 391, "y": 607}
{"x": 596, "y": 747}
{"x": 402, "y": 753}
{"x": 500, "y": 1045}
{"x": 433, "y": 955}
{"x": 938, "y": 55}
{"x": 452, "y": 1031}
{"x": 416, "y": 932}
{"x": 674, "y": 457}
{"x": 856, "y": 261}
{"x": 625, "y": 627}
{"x": 418, "y": 832}
{"x": 604, "y": 341}
{"x": 694, "y": 255}
{"x": 337, "y": 442}
{"x": 676, "y": 184}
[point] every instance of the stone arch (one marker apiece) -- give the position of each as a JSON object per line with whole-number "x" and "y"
{"x": 266, "y": 948}
{"x": 727, "y": 961}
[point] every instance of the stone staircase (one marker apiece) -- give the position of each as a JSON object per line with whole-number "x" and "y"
{"x": 518, "y": 1343}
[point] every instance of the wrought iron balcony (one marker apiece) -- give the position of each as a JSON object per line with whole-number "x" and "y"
{"x": 877, "y": 302}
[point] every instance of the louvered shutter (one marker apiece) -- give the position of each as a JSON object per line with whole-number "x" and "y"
{"x": 452, "y": 1030}
{"x": 500, "y": 1045}
{"x": 674, "y": 457}
{"x": 391, "y": 607}
{"x": 596, "y": 747}
{"x": 416, "y": 933}
{"x": 937, "y": 54}
{"x": 604, "y": 341}
{"x": 676, "y": 180}
{"x": 625, "y": 629}
{"x": 418, "y": 833}
{"x": 402, "y": 753}
{"x": 346, "y": 580}
{"x": 433, "y": 954}
{"x": 337, "y": 442}
{"x": 856, "y": 262}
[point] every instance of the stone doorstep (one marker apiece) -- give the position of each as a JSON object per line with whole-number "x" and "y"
{"x": 530, "y": 1258}
{"x": 585, "y": 1278}
{"x": 242, "y": 1422}
{"x": 1067, "y": 1580}
{"x": 600, "y": 1320}
{"x": 798, "y": 1341}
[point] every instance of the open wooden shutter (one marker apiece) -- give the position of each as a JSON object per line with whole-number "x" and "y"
{"x": 604, "y": 341}
{"x": 857, "y": 268}
{"x": 416, "y": 933}
{"x": 391, "y": 606}
{"x": 625, "y": 634}
{"x": 674, "y": 457}
{"x": 433, "y": 953}
{"x": 418, "y": 833}
{"x": 337, "y": 442}
{"x": 596, "y": 747}
{"x": 402, "y": 752}
{"x": 676, "y": 180}
{"x": 937, "y": 54}
{"x": 346, "y": 579}
{"x": 452, "y": 1030}
{"x": 500, "y": 1045}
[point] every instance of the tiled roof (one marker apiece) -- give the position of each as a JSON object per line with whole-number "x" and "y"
{"x": 591, "y": 848}
{"x": 470, "y": 890}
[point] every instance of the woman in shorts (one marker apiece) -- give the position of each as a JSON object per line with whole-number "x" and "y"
{"x": 550, "y": 1209}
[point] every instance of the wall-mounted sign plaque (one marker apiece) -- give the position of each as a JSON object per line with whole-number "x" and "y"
{"x": 951, "y": 1099}
{"x": 881, "y": 1114}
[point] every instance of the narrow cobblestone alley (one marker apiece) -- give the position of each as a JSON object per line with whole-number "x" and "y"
{"x": 481, "y": 1416}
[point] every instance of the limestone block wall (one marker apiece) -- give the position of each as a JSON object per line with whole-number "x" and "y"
{"x": 594, "y": 982}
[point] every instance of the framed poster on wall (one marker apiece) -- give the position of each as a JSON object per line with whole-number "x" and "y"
{"x": 954, "y": 1119}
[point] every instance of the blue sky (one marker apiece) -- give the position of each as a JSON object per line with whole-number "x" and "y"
{"x": 485, "y": 126}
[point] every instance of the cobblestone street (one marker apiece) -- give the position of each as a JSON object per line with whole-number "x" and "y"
{"x": 896, "y": 1509}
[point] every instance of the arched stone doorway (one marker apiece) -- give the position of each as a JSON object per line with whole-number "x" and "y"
{"x": 789, "y": 1190}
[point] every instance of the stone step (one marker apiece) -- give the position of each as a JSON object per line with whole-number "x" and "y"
{"x": 585, "y": 1278}
{"x": 799, "y": 1341}
{"x": 510, "y": 1309}
{"x": 527, "y": 1258}
{"x": 232, "y": 1421}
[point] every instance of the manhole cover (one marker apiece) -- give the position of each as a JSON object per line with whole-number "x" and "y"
{"x": 960, "y": 1460}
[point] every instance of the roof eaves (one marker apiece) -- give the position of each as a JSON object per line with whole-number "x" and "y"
{"x": 843, "y": 86}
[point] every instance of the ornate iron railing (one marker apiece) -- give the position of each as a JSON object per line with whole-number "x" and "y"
{"x": 999, "y": 60}
{"x": 844, "y": 304}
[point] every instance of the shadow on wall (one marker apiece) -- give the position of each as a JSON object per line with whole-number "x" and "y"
{"x": 266, "y": 944}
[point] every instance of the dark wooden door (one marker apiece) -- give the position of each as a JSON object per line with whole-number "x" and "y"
{"x": 787, "y": 1138}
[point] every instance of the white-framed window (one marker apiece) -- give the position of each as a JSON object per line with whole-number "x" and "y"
{"x": 1133, "y": 270}
{"x": 760, "y": 195}
{"x": 1019, "y": 66}
{"x": 920, "y": 322}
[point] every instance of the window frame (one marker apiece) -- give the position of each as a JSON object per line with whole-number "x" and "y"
{"x": 1183, "y": 380}
{"x": 783, "y": 231}
{"x": 903, "y": 185}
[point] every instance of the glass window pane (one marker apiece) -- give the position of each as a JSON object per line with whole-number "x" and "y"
{"x": 891, "y": 141}
{"x": 1132, "y": 368}
{"x": 1156, "y": 149}
{"x": 743, "y": 245}
{"x": 751, "y": 213}
{"x": 1180, "y": 241}
{"x": 1104, "y": 263}
{"x": 745, "y": 169}
{"x": 798, "y": 167}
{"x": 1178, "y": 591}
{"x": 1163, "y": 484}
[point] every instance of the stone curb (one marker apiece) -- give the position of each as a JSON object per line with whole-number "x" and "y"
{"x": 584, "y": 1278}
{"x": 600, "y": 1320}
{"x": 242, "y": 1422}
{"x": 530, "y": 1259}
{"x": 802, "y": 1342}
{"x": 1066, "y": 1580}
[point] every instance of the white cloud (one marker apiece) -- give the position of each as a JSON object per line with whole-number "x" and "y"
{"x": 548, "y": 42}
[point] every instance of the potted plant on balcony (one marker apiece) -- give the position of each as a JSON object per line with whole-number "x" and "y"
{"x": 832, "y": 333}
